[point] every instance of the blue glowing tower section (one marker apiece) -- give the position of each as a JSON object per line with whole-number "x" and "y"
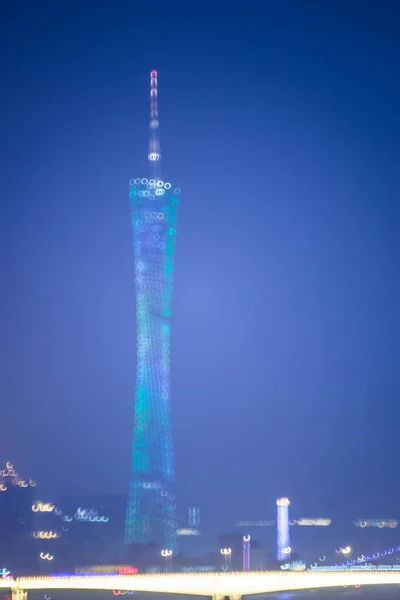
{"x": 283, "y": 549}
{"x": 151, "y": 513}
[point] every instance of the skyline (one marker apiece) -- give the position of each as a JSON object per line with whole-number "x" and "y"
{"x": 285, "y": 321}
{"x": 314, "y": 541}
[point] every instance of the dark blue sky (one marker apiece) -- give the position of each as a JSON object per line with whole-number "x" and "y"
{"x": 280, "y": 122}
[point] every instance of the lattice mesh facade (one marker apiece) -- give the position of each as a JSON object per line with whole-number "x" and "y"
{"x": 151, "y": 514}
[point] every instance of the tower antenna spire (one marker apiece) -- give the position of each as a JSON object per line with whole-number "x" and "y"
{"x": 154, "y": 155}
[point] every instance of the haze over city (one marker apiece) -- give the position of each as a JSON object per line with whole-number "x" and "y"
{"x": 280, "y": 124}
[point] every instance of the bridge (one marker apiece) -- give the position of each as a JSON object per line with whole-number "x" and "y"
{"x": 218, "y": 586}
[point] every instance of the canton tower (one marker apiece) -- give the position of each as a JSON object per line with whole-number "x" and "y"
{"x": 151, "y": 512}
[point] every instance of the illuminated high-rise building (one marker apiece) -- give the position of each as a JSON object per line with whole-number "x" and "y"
{"x": 92, "y": 528}
{"x": 17, "y": 548}
{"x": 151, "y": 513}
{"x": 194, "y": 516}
{"x": 283, "y": 549}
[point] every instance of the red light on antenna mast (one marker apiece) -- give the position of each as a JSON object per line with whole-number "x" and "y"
{"x": 153, "y": 73}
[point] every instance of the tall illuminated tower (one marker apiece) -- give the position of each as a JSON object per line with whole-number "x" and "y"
{"x": 283, "y": 549}
{"x": 151, "y": 512}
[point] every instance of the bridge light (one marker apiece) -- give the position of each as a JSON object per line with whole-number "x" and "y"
{"x": 243, "y": 583}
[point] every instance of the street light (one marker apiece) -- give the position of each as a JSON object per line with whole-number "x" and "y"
{"x": 246, "y": 553}
{"x": 227, "y": 554}
{"x": 346, "y": 551}
{"x": 167, "y": 554}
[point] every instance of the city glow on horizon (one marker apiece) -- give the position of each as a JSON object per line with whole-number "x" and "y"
{"x": 362, "y": 559}
{"x": 311, "y": 522}
{"x": 380, "y": 523}
{"x": 188, "y": 531}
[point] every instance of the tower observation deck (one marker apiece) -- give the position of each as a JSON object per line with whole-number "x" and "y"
{"x": 151, "y": 511}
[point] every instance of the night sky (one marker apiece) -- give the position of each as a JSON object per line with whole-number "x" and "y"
{"x": 280, "y": 122}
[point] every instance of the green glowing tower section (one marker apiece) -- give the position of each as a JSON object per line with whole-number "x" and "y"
{"x": 151, "y": 513}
